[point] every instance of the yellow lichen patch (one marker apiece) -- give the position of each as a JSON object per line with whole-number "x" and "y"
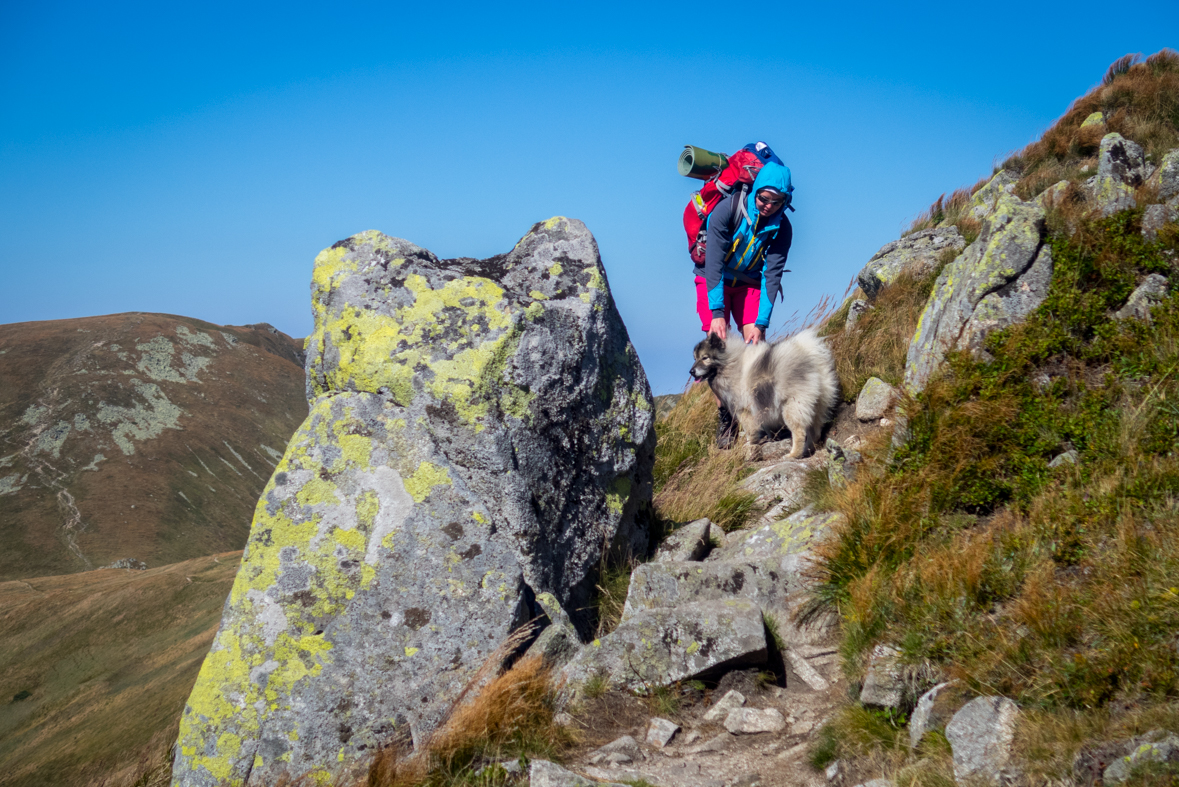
{"x": 555, "y": 269}
{"x": 538, "y": 295}
{"x": 555, "y": 221}
{"x": 618, "y": 494}
{"x": 424, "y": 479}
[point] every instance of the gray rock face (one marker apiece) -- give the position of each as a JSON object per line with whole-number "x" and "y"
{"x": 1146, "y": 295}
{"x": 884, "y": 685}
{"x": 693, "y": 541}
{"x": 655, "y": 585}
{"x": 1154, "y": 217}
{"x": 1168, "y": 177}
{"x": 478, "y": 431}
{"x": 1010, "y": 244}
{"x": 925, "y": 717}
{"x": 657, "y": 647}
{"x": 985, "y": 201}
{"x": 1121, "y": 169}
{"x": 854, "y": 312}
{"x": 874, "y": 400}
{"x": 750, "y": 721}
{"x": 917, "y": 252}
{"x": 981, "y": 736}
{"x": 1155, "y": 746}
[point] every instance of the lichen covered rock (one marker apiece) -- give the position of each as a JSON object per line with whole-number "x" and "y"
{"x": 479, "y": 431}
{"x": 658, "y": 647}
{"x": 1120, "y": 170}
{"x": 986, "y": 200}
{"x": 961, "y": 312}
{"x": 918, "y": 253}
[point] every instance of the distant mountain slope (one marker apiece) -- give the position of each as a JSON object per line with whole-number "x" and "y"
{"x": 95, "y": 667}
{"x": 137, "y": 436}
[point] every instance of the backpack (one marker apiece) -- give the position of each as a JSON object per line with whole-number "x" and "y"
{"x": 737, "y": 175}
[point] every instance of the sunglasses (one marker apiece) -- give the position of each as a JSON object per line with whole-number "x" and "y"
{"x": 768, "y": 200}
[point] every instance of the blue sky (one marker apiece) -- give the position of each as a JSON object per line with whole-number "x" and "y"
{"x": 193, "y": 158}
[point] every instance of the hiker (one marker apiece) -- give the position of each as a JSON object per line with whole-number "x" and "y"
{"x": 749, "y": 238}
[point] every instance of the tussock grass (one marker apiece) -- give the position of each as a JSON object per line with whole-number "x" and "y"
{"x": 877, "y": 344}
{"x": 694, "y": 479}
{"x": 1058, "y": 587}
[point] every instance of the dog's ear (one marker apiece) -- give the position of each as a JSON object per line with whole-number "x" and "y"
{"x": 715, "y": 342}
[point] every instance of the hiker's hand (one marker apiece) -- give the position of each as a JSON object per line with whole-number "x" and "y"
{"x": 720, "y": 327}
{"x": 754, "y": 334}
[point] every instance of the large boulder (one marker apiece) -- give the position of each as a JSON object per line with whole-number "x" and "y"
{"x": 480, "y": 430}
{"x": 918, "y": 252}
{"x": 998, "y": 280}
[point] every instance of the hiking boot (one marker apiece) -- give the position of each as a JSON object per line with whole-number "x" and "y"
{"x": 726, "y": 428}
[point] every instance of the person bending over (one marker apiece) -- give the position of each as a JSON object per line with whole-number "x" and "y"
{"x": 748, "y": 240}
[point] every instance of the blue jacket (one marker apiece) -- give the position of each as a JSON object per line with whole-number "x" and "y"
{"x": 758, "y": 256}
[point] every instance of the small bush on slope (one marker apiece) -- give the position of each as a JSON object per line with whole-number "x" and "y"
{"x": 1055, "y": 587}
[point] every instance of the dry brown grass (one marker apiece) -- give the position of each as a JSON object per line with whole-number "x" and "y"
{"x": 511, "y": 714}
{"x": 951, "y": 211}
{"x": 877, "y": 344}
{"x": 1140, "y": 101}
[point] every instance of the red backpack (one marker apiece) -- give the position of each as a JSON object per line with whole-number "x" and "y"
{"x": 742, "y": 168}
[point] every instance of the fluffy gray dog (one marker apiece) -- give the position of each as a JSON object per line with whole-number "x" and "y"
{"x": 789, "y": 383}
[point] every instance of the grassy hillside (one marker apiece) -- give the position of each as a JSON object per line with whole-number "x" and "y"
{"x": 137, "y": 436}
{"x": 1056, "y": 586}
{"x": 95, "y": 667}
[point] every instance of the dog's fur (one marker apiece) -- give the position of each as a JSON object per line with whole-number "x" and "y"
{"x": 790, "y": 383}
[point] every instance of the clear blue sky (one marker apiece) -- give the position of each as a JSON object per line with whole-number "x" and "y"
{"x": 193, "y": 158}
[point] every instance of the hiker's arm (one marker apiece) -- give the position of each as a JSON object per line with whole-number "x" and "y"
{"x": 775, "y": 266}
{"x": 720, "y": 235}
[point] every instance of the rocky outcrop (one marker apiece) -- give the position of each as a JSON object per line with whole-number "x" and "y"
{"x": 480, "y": 430}
{"x": 918, "y": 253}
{"x": 986, "y": 200}
{"x": 998, "y": 280}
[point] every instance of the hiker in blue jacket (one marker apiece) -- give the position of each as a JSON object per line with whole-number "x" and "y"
{"x": 748, "y": 242}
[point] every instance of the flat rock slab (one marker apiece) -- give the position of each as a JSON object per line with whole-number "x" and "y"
{"x": 981, "y": 736}
{"x": 658, "y": 647}
{"x": 883, "y": 686}
{"x": 543, "y": 773}
{"x": 655, "y": 585}
{"x": 927, "y": 715}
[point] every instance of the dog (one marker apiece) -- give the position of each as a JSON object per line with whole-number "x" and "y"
{"x": 789, "y": 383}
